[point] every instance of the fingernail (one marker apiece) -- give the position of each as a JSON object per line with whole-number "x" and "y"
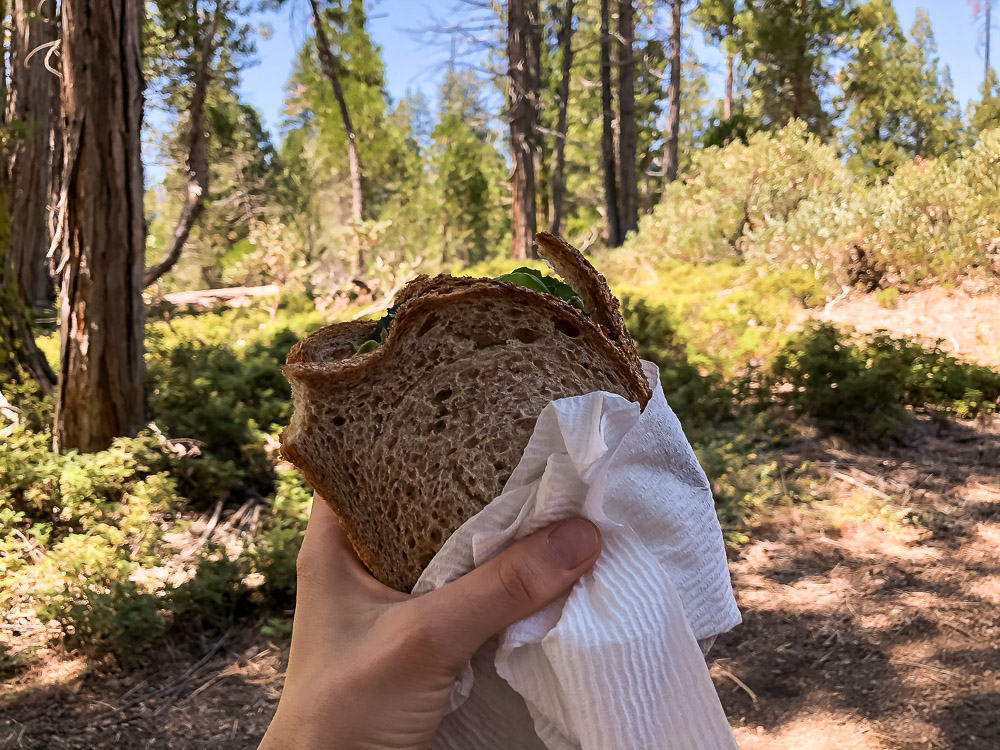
{"x": 573, "y": 542}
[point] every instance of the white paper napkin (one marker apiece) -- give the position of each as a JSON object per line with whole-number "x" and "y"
{"x": 616, "y": 663}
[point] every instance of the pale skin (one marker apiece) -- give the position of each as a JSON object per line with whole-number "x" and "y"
{"x": 371, "y": 667}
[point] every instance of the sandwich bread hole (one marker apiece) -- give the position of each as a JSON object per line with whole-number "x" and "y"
{"x": 442, "y": 395}
{"x": 338, "y": 421}
{"x": 439, "y": 425}
{"x": 427, "y": 325}
{"x": 526, "y": 335}
{"x": 567, "y": 329}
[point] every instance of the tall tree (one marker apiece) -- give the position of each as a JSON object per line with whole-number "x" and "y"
{"x": 984, "y": 9}
{"x": 985, "y": 113}
{"x": 523, "y": 94}
{"x": 31, "y": 98}
{"x": 900, "y": 101}
{"x": 331, "y": 65}
{"x": 628, "y": 187}
{"x": 670, "y": 155}
{"x": 559, "y": 148}
{"x": 101, "y": 228}
{"x": 197, "y": 151}
{"x": 19, "y": 357}
{"x": 717, "y": 18}
{"x": 608, "y": 133}
{"x": 467, "y": 166}
{"x": 788, "y": 45}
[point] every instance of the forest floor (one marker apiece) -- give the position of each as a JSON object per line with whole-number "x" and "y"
{"x": 871, "y": 616}
{"x": 871, "y": 619}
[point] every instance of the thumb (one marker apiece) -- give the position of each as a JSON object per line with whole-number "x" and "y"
{"x": 526, "y": 577}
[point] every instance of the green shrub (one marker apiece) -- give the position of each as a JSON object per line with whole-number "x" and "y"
{"x": 734, "y": 197}
{"x": 273, "y": 551}
{"x": 215, "y": 378}
{"x": 692, "y": 395}
{"x": 861, "y": 386}
{"x": 829, "y": 378}
{"x": 785, "y": 200}
{"x": 888, "y": 298}
{"x": 746, "y": 472}
{"x": 931, "y": 377}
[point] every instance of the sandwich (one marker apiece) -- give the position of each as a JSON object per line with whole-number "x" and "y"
{"x": 410, "y": 425}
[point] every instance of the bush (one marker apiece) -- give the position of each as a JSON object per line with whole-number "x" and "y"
{"x": 692, "y": 395}
{"x": 733, "y": 197}
{"x": 862, "y": 386}
{"x": 785, "y": 200}
{"x": 830, "y": 379}
{"x": 215, "y": 379}
{"x": 888, "y": 298}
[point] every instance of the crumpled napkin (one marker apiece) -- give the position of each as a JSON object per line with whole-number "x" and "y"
{"x": 616, "y": 663}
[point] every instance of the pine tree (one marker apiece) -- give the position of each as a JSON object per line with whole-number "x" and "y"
{"x": 204, "y": 44}
{"x": 558, "y": 181}
{"x": 717, "y": 19}
{"x": 20, "y": 358}
{"x": 670, "y": 150}
{"x": 900, "y": 102}
{"x": 101, "y": 226}
{"x": 611, "y": 209}
{"x": 33, "y": 110}
{"x": 524, "y": 82}
{"x": 466, "y": 166}
{"x": 628, "y": 187}
{"x": 787, "y": 45}
{"x": 985, "y": 114}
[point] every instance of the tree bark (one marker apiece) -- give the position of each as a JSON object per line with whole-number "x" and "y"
{"x": 670, "y": 156}
{"x": 101, "y": 230}
{"x": 607, "y": 133}
{"x": 331, "y": 69}
{"x": 19, "y": 357}
{"x": 628, "y": 186}
{"x": 559, "y": 148}
{"x": 197, "y": 156}
{"x": 727, "y": 103}
{"x": 524, "y": 83}
{"x": 31, "y": 85}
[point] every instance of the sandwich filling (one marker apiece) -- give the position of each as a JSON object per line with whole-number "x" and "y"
{"x": 524, "y": 276}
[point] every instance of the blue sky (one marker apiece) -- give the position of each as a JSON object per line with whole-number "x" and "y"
{"x": 416, "y": 63}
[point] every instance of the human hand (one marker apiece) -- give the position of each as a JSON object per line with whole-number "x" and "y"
{"x": 371, "y": 667}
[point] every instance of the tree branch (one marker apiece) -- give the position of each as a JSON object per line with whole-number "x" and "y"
{"x": 197, "y": 160}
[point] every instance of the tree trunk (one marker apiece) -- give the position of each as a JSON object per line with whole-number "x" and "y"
{"x": 989, "y": 9}
{"x": 727, "y": 104}
{"x": 524, "y": 83}
{"x": 331, "y": 69}
{"x": 670, "y": 157}
{"x": 607, "y": 133}
{"x": 101, "y": 230}
{"x": 19, "y": 357}
{"x": 31, "y": 86}
{"x": 628, "y": 186}
{"x": 559, "y": 149}
{"x": 197, "y": 156}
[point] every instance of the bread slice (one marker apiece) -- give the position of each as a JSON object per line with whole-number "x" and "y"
{"x": 410, "y": 440}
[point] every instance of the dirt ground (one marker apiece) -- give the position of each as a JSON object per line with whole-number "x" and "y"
{"x": 871, "y": 620}
{"x": 964, "y": 318}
